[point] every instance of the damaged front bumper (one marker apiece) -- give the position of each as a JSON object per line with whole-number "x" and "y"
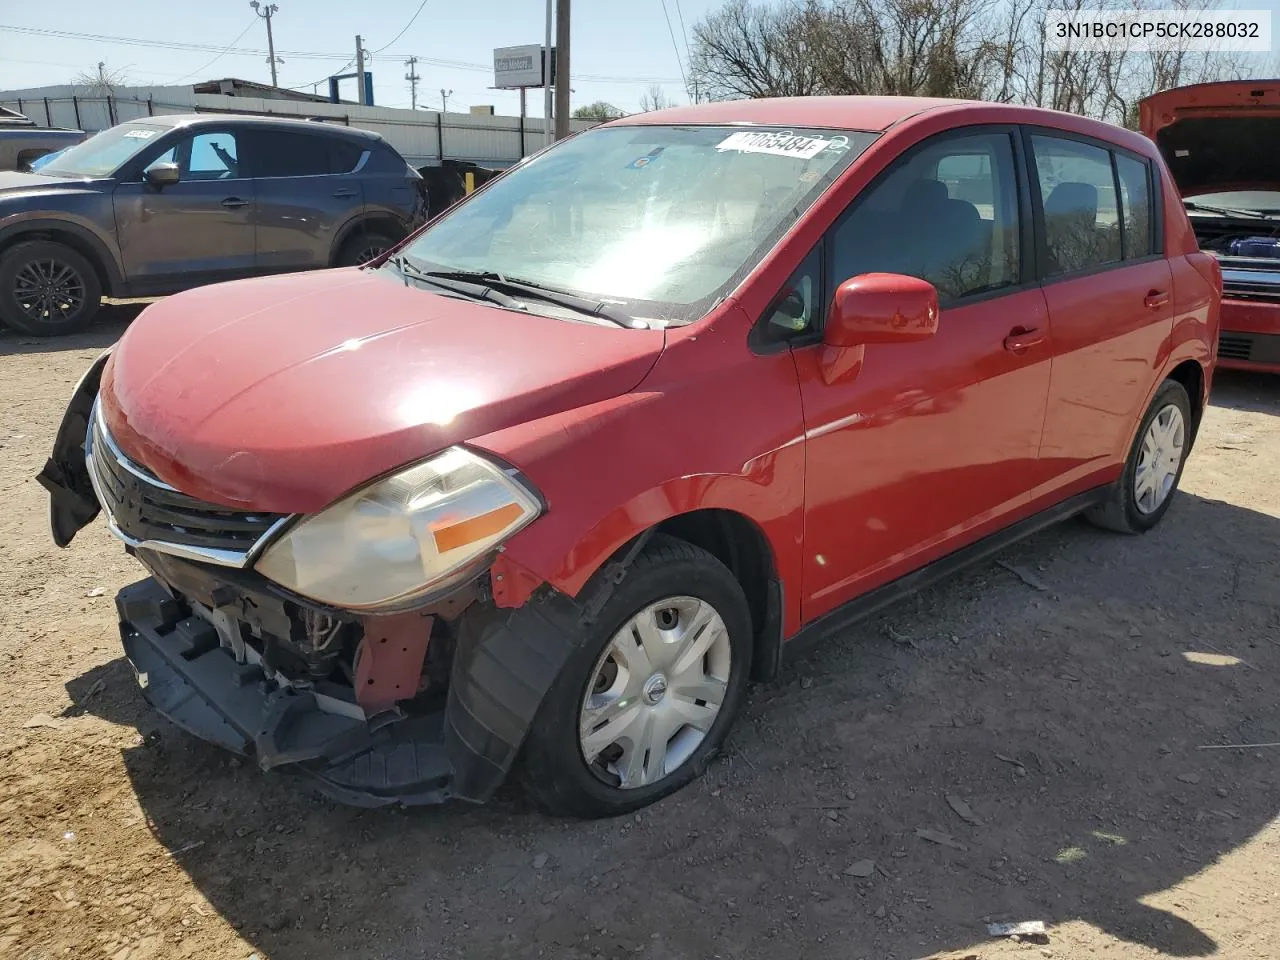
{"x": 412, "y": 708}
{"x": 189, "y": 675}
{"x": 192, "y": 670}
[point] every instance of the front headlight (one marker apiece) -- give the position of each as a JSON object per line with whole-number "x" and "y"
{"x": 415, "y": 532}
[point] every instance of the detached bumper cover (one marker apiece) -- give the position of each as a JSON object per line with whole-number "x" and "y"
{"x": 505, "y": 663}
{"x": 186, "y": 675}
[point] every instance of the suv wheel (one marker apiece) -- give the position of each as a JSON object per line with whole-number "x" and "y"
{"x": 1145, "y": 489}
{"x": 364, "y": 246}
{"x": 649, "y": 693}
{"x": 47, "y": 289}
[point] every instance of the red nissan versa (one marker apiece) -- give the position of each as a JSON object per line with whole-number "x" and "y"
{"x": 1221, "y": 142}
{"x": 555, "y": 479}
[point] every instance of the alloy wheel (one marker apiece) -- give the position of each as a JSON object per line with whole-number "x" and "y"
{"x": 48, "y": 290}
{"x": 1159, "y": 459}
{"x": 655, "y": 692}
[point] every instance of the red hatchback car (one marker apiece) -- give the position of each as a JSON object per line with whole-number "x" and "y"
{"x": 548, "y": 485}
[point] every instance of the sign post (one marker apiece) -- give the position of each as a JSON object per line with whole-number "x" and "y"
{"x": 523, "y": 68}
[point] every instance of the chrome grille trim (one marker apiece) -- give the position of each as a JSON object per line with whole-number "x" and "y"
{"x": 240, "y": 556}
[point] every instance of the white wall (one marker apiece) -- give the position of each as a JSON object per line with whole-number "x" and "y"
{"x": 415, "y": 133}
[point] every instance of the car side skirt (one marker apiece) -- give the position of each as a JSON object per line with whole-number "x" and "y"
{"x": 876, "y": 600}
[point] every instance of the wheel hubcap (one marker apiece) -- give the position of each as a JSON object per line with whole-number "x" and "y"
{"x": 655, "y": 692}
{"x": 48, "y": 291}
{"x": 369, "y": 253}
{"x": 1159, "y": 459}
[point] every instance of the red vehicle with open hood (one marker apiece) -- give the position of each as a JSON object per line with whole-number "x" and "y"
{"x": 546, "y": 486}
{"x": 1221, "y": 142}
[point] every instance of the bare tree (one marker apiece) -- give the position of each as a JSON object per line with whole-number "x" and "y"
{"x": 979, "y": 49}
{"x": 103, "y": 81}
{"x": 655, "y": 98}
{"x": 747, "y": 49}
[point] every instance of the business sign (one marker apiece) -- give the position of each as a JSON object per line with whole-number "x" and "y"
{"x": 515, "y": 67}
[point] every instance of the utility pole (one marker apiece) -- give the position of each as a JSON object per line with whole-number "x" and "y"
{"x": 266, "y": 13}
{"x": 562, "y": 69}
{"x": 444, "y": 99}
{"x": 359, "y": 70}
{"x": 546, "y": 82}
{"x": 413, "y": 78}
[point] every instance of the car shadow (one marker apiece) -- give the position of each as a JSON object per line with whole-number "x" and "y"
{"x": 111, "y": 322}
{"x": 1247, "y": 391}
{"x": 1019, "y": 743}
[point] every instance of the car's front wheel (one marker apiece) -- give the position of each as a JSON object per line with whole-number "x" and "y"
{"x": 365, "y": 246}
{"x": 1151, "y": 474}
{"x": 649, "y": 693}
{"x": 47, "y": 289}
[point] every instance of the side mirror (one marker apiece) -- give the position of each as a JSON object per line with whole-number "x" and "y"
{"x": 882, "y": 308}
{"x": 162, "y": 174}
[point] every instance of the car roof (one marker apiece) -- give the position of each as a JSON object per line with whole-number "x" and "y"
{"x": 850, "y": 113}
{"x": 284, "y": 123}
{"x": 879, "y": 114}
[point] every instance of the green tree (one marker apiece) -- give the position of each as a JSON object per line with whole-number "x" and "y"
{"x": 600, "y": 110}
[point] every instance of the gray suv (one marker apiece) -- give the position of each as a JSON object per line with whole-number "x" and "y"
{"x": 163, "y": 204}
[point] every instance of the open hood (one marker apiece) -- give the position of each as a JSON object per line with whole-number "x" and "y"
{"x": 282, "y": 394}
{"x": 1218, "y": 137}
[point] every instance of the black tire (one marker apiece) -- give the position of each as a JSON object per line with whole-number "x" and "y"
{"x": 75, "y": 296}
{"x": 1121, "y": 511}
{"x": 362, "y": 246}
{"x": 552, "y": 765}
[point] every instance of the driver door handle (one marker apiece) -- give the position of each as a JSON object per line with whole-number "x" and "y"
{"x": 1155, "y": 299}
{"x": 1020, "y": 340}
{"x": 232, "y": 202}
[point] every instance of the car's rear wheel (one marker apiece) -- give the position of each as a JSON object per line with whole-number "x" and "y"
{"x": 649, "y": 693}
{"x": 1151, "y": 474}
{"x": 364, "y": 246}
{"x": 47, "y": 289}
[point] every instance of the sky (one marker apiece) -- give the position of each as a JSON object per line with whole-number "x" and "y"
{"x": 619, "y": 50}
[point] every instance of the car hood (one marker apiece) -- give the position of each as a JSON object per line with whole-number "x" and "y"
{"x": 281, "y": 394}
{"x": 1217, "y": 137}
{"x": 13, "y": 182}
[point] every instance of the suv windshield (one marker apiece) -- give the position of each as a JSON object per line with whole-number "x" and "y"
{"x": 659, "y": 220}
{"x": 104, "y": 153}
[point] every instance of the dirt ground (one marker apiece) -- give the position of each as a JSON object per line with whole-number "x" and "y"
{"x": 1061, "y": 694}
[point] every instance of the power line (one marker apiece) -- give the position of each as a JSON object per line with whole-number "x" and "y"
{"x": 674, "y": 46}
{"x": 296, "y": 54}
{"x": 341, "y": 69}
{"x": 683, "y": 32}
{"x": 406, "y": 27}
{"x": 219, "y": 56}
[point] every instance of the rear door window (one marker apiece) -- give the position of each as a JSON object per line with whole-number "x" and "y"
{"x": 1079, "y": 204}
{"x": 1137, "y": 235}
{"x": 284, "y": 153}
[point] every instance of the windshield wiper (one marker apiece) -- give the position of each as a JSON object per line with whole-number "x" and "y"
{"x": 527, "y": 288}
{"x": 1227, "y": 211}
{"x": 472, "y": 291}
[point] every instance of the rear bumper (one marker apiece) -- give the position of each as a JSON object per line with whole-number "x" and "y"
{"x": 1250, "y": 336}
{"x": 191, "y": 679}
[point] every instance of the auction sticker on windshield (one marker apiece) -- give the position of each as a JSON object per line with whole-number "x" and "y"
{"x": 777, "y": 144}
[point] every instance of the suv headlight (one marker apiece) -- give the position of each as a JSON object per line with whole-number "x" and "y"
{"x": 415, "y": 532}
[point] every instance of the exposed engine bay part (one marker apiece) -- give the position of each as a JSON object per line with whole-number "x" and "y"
{"x": 1230, "y": 237}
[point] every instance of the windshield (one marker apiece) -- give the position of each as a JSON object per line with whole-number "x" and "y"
{"x": 104, "y": 153}
{"x": 659, "y": 220}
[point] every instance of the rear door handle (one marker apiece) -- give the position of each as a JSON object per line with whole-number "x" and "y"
{"x": 234, "y": 202}
{"x": 1020, "y": 340}
{"x": 344, "y": 193}
{"x": 1156, "y": 299}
